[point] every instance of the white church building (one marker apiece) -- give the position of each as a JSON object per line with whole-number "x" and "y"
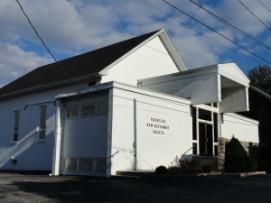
{"x": 130, "y": 106}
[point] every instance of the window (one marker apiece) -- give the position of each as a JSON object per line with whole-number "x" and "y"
{"x": 87, "y": 110}
{"x": 101, "y": 108}
{"x": 70, "y": 164}
{"x": 86, "y": 165}
{"x": 15, "y": 137}
{"x": 205, "y": 115}
{"x": 42, "y": 126}
{"x": 100, "y": 165}
{"x": 72, "y": 112}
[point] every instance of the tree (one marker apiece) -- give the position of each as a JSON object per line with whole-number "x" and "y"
{"x": 260, "y": 77}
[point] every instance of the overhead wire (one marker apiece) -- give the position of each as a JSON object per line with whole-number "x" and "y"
{"x": 218, "y": 33}
{"x": 210, "y": 38}
{"x": 254, "y": 15}
{"x": 230, "y": 24}
{"x": 35, "y": 31}
{"x": 265, "y": 6}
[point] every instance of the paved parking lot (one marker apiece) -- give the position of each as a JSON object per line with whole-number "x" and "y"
{"x": 42, "y": 188}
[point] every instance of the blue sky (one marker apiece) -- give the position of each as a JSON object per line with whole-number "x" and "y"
{"x": 71, "y": 27}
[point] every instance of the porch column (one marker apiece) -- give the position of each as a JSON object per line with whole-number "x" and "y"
{"x": 56, "y": 169}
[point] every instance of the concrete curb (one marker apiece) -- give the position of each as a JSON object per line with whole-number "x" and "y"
{"x": 255, "y": 173}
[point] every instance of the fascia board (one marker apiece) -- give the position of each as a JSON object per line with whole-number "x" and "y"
{"x": 172, "y": 51}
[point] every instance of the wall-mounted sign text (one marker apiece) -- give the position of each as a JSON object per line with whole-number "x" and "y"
{"x": 159, "y": 126}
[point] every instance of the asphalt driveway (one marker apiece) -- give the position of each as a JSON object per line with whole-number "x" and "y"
{"x": 42, "y": 188}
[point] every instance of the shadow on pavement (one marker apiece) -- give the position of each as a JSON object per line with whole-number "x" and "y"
{"x": 152, "y": 189}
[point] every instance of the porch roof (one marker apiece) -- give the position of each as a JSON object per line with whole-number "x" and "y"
{"x": 222, "y": 83}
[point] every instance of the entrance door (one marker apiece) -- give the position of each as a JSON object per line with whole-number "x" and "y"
{"x": 205, "y": 139}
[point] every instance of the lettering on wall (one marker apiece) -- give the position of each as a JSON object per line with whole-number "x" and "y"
{"x": 159, "y": 126}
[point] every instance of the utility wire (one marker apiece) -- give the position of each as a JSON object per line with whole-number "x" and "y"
{"x": 212, "y": 39}
{"x": 264, "y": 5}
{"x": 35, "y": 30}
{"x": 218, "y": 33}
{"x": 253, "y": 14}
{"x": 230, "y": 24}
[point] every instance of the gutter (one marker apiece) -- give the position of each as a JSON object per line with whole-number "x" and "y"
{"x": 257, "y": 90}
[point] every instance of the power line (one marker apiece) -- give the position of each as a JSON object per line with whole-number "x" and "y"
{"x": 212, "y": 39}
{"x": 218, "y": 33}
{"x": 35, "y": 30}
{"x": 229, "y": 24}
{"x": 264, "y": 5}
{"x": 253, "y": 14}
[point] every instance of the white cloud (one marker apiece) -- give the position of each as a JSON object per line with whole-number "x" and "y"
{"x": 14, "y": 62}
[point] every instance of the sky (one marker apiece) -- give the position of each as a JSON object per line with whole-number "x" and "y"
{"x": 71, "y": 27}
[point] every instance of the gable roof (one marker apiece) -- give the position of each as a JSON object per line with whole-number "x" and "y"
{"x": 72, "y": 70}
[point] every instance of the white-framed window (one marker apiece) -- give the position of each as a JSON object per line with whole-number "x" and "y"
{"x": 101, "y": 107}
{"x": 15, "y": 136}
{"x": 72, "y": 112}
{"x": 42, "y": 124}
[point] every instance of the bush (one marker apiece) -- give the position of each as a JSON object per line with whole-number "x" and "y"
{"x": 161, "y": 170}
{"x": 237, "y": 159}
{"x": 253, "y": 156}
{"x": 188, "y": 167}
{"x": 206, "y": 168}
{"x": 265, "y": 165}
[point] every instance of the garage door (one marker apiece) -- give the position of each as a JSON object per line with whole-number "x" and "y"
{"x": 85, "y": 136}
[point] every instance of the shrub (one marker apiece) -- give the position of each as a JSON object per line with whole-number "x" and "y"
{"x": 206, "y": 168}
{"x": 236, "y": 158}
{"x": 188, "y": 167}
{"x": 161, "y": 170}
{"x": 253, "y": 155}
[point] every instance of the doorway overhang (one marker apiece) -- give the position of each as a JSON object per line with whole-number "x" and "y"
{"x": 225, "y": 84}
